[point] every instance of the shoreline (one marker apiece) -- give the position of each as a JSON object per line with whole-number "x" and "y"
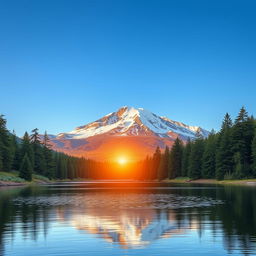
{"x": 19, "y": 184}
{"x": 11, "y": 183}
{"x": 247, "y": 182}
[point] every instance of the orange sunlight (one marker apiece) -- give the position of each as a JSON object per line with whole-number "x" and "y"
{"x": 122, "y": 160}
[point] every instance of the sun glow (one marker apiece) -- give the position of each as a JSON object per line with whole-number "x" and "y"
{"x": 122, "y": 160}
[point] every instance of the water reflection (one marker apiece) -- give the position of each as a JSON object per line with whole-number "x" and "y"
{"x": 128, "y": 228}
{"x": 131, "y": 218}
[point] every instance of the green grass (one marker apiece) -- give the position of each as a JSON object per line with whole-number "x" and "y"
{"x": 37, "y": 177}
{"x": 242, "y": 181}
{"x": 182, "y": 178}
{"x": 11, "y": 177}
{"x": 213, "y": 181}
{"x": 179, "y": 180}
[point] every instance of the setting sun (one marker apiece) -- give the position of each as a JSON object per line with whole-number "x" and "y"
{"x": 122, "y": 160}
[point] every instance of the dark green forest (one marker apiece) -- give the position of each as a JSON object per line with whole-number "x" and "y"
{"x": 33, "y": 154}
{"x": 227, "y": 154}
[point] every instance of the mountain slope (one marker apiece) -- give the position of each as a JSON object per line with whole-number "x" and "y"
{"x": 128, "y": 131}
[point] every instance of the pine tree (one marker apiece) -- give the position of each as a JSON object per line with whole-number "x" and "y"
{"x": 15, "y": 152}
{"x": 70, "y": 169}
{"x": 185, "y": 159}
{"x": 227, "y": 122}
{"x": 242, "y": 136}
{"x": 39, "y": 160}
{"x": 254, "y": 155}
{"x": 149, "y": 168}
{"x": 195, "y": 159}
{"x": 26, "y": 169}
{"x": 46, "y": 141}
{"x": 26, "y": 148}
{"x": 61, "y": 166}
{"x": 64, "y": 167}
{"x": 155, "y": 163}
{"x": 224, "y": 155}
{"x": 49, "y": 158}
{"x": 242, "y": 116}
{"x": 163, "y": 166}
{"x": 238, "y": 174}
{"x": 58, "y": 165}
{"x": 5, "y": 145}
{"x": 175, "y": 159}
{"x": 209, "y": 156}
{"x": 50, "y": 164}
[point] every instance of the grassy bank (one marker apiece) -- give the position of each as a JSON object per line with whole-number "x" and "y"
{"x": 13, "y": 179}
{"x": 213, "y": 181}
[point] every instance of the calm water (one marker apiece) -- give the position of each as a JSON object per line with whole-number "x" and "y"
{"x": 128, "y": 219}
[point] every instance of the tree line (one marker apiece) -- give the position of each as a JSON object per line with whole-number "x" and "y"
{"x": 227, "y": 154}
{"x": 33, "y": 155}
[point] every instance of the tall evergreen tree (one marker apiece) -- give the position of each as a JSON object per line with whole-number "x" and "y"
{"x": 5, "y": 145}
{"x": 58, "y": 165}
{"x": 163, "y": 166}
{"x": 250, "y": 125}
{"x": 26, "y": 169}
{"x": 242, "y": 136}
{"x": 46, "y": 141}
{"x": 195, "y": 159}
{"x": 227, "y": 122}
{"x": 175, "y": 159}
{"x": 242, "y": 116}
{"x": 224, "y": 155}
{"x": 27, "y": 149}
{"x": 64, "y": 167}
{"x": 15, "y": 152}
{"x": 39, "y": 160}
{"x": 209, "y": 156}
{"x": 71, "y": 169}
{"x": 155, "y": 163}
{"x": 238, "y": 171}
{"x": 49, "y": 158}
{"x": 185, "y": 159}
{"x": 254, "y": 155}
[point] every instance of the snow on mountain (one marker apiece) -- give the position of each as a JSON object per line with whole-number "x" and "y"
{"x": 129, "y": 131}
{"x": 129, "y": 121}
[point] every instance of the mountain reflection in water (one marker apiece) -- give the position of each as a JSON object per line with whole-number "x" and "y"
{"x": 130, "y": 218}
{"x": 129, "y": 228}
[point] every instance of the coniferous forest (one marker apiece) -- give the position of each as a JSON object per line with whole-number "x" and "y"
{"x": 227, "y": 154}
{"x": 33, "y": 155}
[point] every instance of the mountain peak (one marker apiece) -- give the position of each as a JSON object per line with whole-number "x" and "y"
{"x": 133, "y": 131}
{"x": 130, "y": 121}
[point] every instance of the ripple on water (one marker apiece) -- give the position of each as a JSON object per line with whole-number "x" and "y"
{"x": 120, "y": 201}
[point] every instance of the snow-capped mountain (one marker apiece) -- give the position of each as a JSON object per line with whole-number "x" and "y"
{"x": 125, "y": 126}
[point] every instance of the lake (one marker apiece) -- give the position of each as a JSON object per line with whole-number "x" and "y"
{"x": 125, "y": 218}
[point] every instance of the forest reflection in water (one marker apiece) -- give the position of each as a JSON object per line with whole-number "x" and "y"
{"x": 127, "y": 217}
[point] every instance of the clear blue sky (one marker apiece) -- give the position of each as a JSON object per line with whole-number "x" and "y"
{"x": 66, "y": 63}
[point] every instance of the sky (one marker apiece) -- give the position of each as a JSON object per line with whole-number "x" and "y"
{"x": 66, "y": 63}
